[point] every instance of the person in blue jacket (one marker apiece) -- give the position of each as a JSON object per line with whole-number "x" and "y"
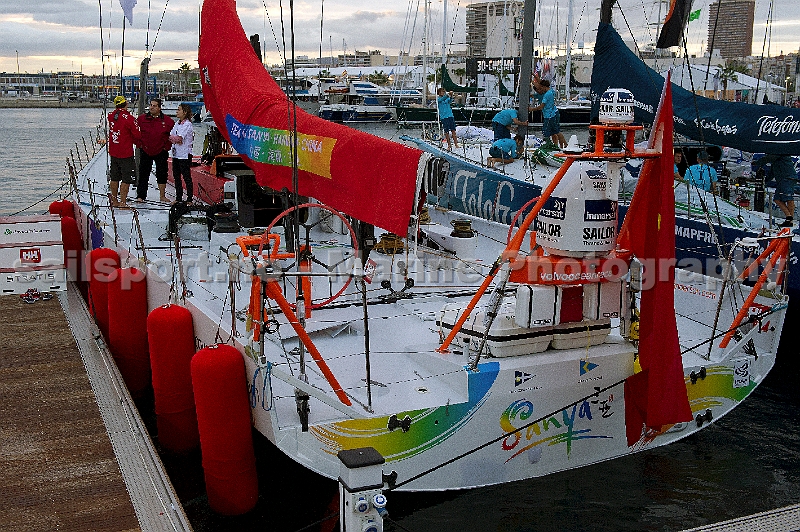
{"x": 505, "y": 150}
{"x": 551, "y": 121}
{"x": 702, "y": 174}
{"x": 446, "y": 118}
{"x": 502, "y": 122}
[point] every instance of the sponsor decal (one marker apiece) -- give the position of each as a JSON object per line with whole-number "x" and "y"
{"x": 30, "y": 255}
{"x": 695, "y": 291}
{"x": 587, "y": 366}
{"x": 598, "y": 233}
{"x": 554, "y": 207}
{"x": 521, "y": 376}
{"x": 741, "y": 373}
{"x": 558, "y": 429}
{"x": 770, "y": 125}
{"x": 600, "y": 210}
{"x": 548, "y": 229}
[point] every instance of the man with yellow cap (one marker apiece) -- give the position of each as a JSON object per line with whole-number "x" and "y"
{"x": 123, "y": 133}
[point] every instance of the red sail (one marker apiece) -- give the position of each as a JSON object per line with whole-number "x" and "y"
{"x": 657, "y": 395}
{"x": 369, "y": 178}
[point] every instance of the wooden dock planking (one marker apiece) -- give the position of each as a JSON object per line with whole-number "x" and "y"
{"x": 58, "y": 470}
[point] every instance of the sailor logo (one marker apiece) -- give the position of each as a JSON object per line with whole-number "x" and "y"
{"x": 521, "y": 376}
{"x": 600, "y": 210}
{"x": 7, "y": 231}
{"x": 598, "y": 233}
{"x": 548, "y": 229}
{"x": 554, "y": 208}
{"x": 30, "y": 255}
{"x": 587, "y": 366}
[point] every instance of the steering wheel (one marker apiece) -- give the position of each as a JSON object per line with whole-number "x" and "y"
{"x": 305, "y": 257}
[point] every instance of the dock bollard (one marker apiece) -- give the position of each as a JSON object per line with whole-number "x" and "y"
{"x": 362, "y": 504}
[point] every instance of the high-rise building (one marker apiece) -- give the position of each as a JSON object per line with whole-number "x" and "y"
{"x": 494, "y": 29}
{"x": 730, "y": 27}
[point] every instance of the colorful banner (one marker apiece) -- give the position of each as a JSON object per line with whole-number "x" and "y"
{"x": 274, "y": 146}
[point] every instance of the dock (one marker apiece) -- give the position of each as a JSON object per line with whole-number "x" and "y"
{"x": 74, "y": 451}
{"x": 786, "y": 519}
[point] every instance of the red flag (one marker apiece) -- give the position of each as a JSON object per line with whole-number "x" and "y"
{"x": 372, "y": 179}
{"x": 656, "y": 396}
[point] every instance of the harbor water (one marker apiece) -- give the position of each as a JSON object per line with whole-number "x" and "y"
{"x": 748, "y": 462}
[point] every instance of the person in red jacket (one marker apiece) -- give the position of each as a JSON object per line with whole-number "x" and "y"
{"x": 155, "y": 127}
{"x": 123, "y": 133}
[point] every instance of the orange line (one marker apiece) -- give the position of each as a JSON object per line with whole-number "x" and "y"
{"x": 274, "y": 292}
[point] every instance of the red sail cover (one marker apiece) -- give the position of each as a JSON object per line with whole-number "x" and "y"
{"x": 369, "y": 178}
{"x": 657, "y": 395}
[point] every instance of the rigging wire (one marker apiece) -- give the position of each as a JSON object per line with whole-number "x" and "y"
{"x": 274, "y": 37}
{"x": 158, "y": 31}
{"x": 764, "y": 45}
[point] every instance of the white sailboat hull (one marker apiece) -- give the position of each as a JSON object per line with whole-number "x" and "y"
{"x": 438, "y": 424}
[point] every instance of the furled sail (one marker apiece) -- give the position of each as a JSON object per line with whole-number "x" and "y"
{"x": 372, "y": 179}
{"x": 748, "y": 127}
{"x": 656, "y": 396}
{"x": 450, "y": 85}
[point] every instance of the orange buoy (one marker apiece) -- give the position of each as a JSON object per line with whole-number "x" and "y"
{"x": 102, "y": 264}
{"x": 223, "y": 419}
{"x": 127, "y": 328}
{"x": 170, "y": 334}
{"x": 64, "y": 208}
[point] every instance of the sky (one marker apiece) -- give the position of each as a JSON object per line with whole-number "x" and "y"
{"x": 65, "y": 35}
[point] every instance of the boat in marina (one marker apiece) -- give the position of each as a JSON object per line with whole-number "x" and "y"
{"x": 467, "y": 353}
{"x": 171, "y": 101}
{"x": 572, "y": 113}
{"x": 364, "y": 101}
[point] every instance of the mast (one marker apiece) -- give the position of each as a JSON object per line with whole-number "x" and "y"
{"x": 526, "y": 62}
{"x": 569, "y": 52}
{"x": 444, "y": 33}
{"x": 605, "y": 10}
{"x": 425, "y": 57}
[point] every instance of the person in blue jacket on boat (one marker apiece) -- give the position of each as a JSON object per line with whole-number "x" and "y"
{"x": 502, "y": 122}
{"x": 505, "y": 150}
{"x": 785, "y": 180}
{"x": 702, "y": 174}
{"x": 551, "y": 122}
{"x": 446, "y": 118}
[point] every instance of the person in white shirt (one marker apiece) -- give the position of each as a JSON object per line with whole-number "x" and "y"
{"x": 182, "y": 137}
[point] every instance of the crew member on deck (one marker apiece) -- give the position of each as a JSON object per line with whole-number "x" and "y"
{"x": 182, "y": 138}
{"x": 785, "y": 180}
{"x": 123, "y": 133}
{"x": 155, "y": 126}
{"x": 502, "y": 121}
{"x": 448, "y": 121}
{"x": 551, "y": 121}
{"x": 506, "y": 150}
{"x": 678, "y": 161}
{"x": 701, "y": 174}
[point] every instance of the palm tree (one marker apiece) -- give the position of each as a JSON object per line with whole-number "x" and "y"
{"x": 379, "y": 78}
{"x": 184, "y": 70}
{"x": 730, "y": 72}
